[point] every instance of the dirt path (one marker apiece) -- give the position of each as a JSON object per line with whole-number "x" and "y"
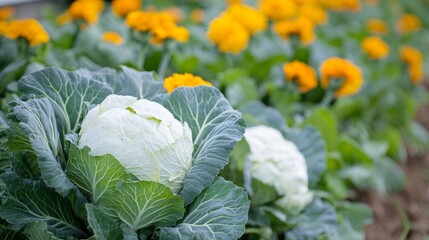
{"x": 408, "y": 210}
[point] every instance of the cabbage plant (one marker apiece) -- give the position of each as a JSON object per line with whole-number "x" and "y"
{"x": 110, "y": 155}
{"x": 281, "y": 169}
{"x": 277, "y": 162}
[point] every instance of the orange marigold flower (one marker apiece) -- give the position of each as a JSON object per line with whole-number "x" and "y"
{"x": 375, "y": 47}
{"x": 6, "y": 13}
{"x": 335, "y": 69}
{"x": 250, "y": 18}
{"x": 278, "y": 9}
{"x": 302, "y": 74}
{"x": 414, "y": 59}
{"x": 301, "y": 27}
{"x": 122, "y": 7}
{"x": 306, "y": 2}
{"x": 331, "y": 4}
{"x": 140, "y": 20}
{"x": 408, "y": 23}
{"x": 183, "y": 80}
{"x": 29, "y": 29}
{"x": 377, "y": 26}
{"x": 87, "y": 10}
{"x": 313, "y": 12}
{"x": 112, "y": 37}
{"x": 411, "y": 55}
{"x": 165, "y": 27}
{"x": 197, "y": 16}
{"x": 228, "y": 34}
{"x": 161, "y": 25}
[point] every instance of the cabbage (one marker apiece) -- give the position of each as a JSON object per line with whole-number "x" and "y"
{"x": 277, "y": 162}
{"x": 143, "y": 135}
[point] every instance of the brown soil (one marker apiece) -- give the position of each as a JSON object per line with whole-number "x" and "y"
{"x": 412, "y": 202}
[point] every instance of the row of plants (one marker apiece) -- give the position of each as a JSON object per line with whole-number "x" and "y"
{"x": 206, "y": 119}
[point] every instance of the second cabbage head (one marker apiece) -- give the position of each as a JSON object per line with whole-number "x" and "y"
{"x": 278, "y": 162}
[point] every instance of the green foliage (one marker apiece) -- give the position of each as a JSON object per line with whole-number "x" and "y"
{"x": 318, "y": 219}
{"x": 219, "y": 212}
{"x": 51, "y": 189}
{"x": 210, "y": 117}
{"x": 324, "y": 121}
{"x": 94, "y": 175}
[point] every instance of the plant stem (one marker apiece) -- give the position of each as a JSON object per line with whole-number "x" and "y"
{"x": 405, "y": 221}
{"x": 164, "y": 62}
{"x": 334, "y": 85}
{"x": 142, "y": 58}
{"x": 329, "y": 96}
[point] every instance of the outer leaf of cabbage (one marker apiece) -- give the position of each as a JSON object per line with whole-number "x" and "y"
{"x": 128, "y": 82}
{"x": 219, "y": 212}
{"x": 216, "y": 128}
{"x": 318, "y": 219}
{"x": 95, "y": 175}
{"x": 104, "y": 227}
{"x": 37, "y": 121}
{"x": 312, "y": 146}
{"x": 67, "y": 92}
{"x": 143, "y": 204}
{"x": 26, "y": 201}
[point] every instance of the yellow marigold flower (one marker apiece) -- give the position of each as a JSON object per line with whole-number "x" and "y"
{"x": 411, "y": 55}
{"x": 87, "y": 10}
{"x": 140, "y": 20}
{"x": 414, "y": 59}
{"x": 341, "y": 69}
{"x": 165, "y": 27}
{"x": 377, "y": 26}
{"x": 306, "y": 2}
{"x": 313, "y": 12}
{"x": 6, "y": 13}
{"x": 331, "y": 4}
{"x": 197, "y": 16}
{"x": 161, "y": 26}
{"x": 30, "y": 29}
{"x": 375, "y": 47}
{"x": 122, "y": 7}
{"x": 250, "y": 18}
{"x": 231, "y": 2}
{"x": 183, "y": 80}
{"x": 278, "y": 9}
{"x": 228, "y": 34}
{"x": 112, "y": 37}
{"x": 408, "y": 23}
{"x": 302, "y": 74}
{"x": 301, "y": 27}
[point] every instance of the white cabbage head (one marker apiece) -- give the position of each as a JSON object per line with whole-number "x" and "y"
{"x": 277, "y": 162}
{"x": 143, "y": 135}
